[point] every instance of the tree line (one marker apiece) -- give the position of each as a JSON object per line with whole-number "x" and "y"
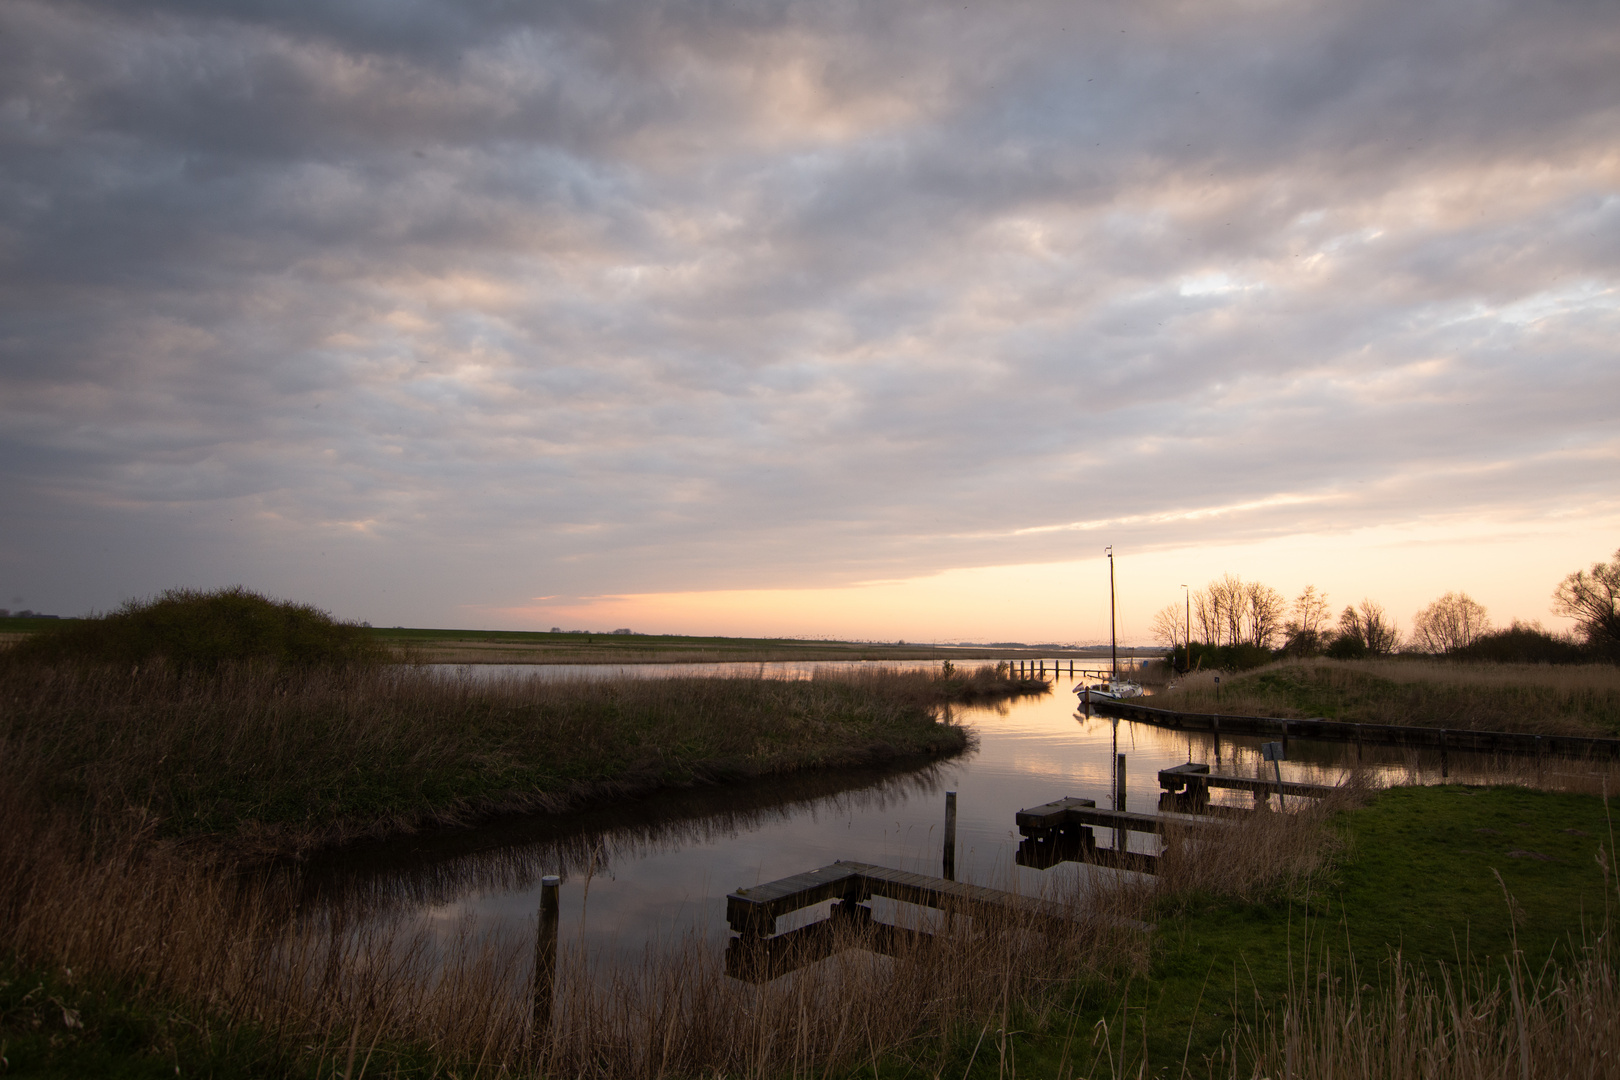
{"x": 1234, "y": 624}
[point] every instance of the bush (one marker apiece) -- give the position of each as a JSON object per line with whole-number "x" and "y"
{"x": 1523, "y": 644}
{"x": 200, "y": 631}
{"x": 1221, "y": 657}
{"x": 1347, "y": 647}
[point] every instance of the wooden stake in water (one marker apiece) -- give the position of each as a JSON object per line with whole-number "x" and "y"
{"x": 545, "y": 953}
{"x": 950, "y": 836}
{"x": 1276, "y": 753}
{"x": 1119, "y": 800}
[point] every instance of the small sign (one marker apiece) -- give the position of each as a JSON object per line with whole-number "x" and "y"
{"x": 1273, "y": 751}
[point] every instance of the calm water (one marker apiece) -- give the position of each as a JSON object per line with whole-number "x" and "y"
{"x": 655, "y": 869}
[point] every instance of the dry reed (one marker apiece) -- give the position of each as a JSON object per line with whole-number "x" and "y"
{"x": 148, "y": 918}
{"x": 273, "y": 762}
{"x": 1533, "y": 698}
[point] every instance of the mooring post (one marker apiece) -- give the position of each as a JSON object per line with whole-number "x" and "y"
{"x": 950, "y": 836}
{"x": 1120, "y": 838}
{"x": 1445, "y": 765}
{"x": 545, "y": 953}
{"x": 1216, "y": 726}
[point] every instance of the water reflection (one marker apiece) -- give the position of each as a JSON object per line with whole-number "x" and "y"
{"x": 513, "y": 855}
{"x": 657, "y": 869}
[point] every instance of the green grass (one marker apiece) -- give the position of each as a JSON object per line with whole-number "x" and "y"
{"x": 54, "y": 1026}
{"x": 50, "y": 1026}
{"x": 1418, "y": 875}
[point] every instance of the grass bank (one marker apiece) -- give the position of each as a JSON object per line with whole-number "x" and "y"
{"x": 1455, "y": 899}
{"x": 1533, "y": 698}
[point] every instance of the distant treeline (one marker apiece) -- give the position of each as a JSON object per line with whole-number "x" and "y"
{"x": 1232, "y": 624}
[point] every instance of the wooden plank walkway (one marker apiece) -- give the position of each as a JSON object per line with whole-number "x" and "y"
{"x": 1442, "y": 739}
{"x": 1072, "y": 811}
{"x": 760, "y": 959}
{"x": 1194, "y": 776}
{"x": 759, "y": 954}
{"x": 754, "y": 911}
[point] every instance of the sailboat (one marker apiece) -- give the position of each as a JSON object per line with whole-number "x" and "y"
{"x": 1115, "y": 687}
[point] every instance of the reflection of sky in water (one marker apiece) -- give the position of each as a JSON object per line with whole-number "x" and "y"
{"x": 659, "y": 868}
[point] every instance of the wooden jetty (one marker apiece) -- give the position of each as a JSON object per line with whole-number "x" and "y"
{"x": 1186, "y": 787}
{"x": 758, "y": 953}
{"x": 755, "y": 911}
{"x": 1062, "y": 831}
{"x": 1441, "y": 739}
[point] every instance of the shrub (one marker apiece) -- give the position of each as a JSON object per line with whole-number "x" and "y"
{"x": 1220, "y": 657}
{"x": 1347, "y": 647}
{"x": 1523, "y": 643}
{"x": 194, "y": 630}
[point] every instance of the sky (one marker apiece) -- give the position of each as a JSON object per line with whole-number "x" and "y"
{"x": 832, "y": 319}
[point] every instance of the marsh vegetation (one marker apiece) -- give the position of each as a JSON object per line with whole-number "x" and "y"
{"x": 1535, "y": 698}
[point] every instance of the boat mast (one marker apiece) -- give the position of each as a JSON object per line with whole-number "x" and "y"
{"x": 1113, "y": 634}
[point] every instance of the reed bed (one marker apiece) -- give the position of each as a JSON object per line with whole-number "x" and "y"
{"x": 1534, "y": 698}
{"x": 271, "y": 762}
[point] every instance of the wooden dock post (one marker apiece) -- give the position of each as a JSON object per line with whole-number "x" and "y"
{"x": 1120, "y": 839}
{"x": 1445, "y": 764}
{"x": 545, "y": 954}
{"x": 950, "y": 836}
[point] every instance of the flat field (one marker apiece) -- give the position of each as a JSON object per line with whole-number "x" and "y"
{"x": 526, "y": 647}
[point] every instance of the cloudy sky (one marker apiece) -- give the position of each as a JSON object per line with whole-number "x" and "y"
{"x": 827, "y": 318}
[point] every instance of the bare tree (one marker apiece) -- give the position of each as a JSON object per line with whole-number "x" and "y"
{"x": 1263, "y": 609}
{"x": 1350, "y": 625}
{"x": 1170, "y": 625}
{"x": 1311, "y": 611}
{"x": 1378, "y": 629}
{"x": 1370, "y": 627}
{"x": 1306, "y": 632}
{"x": 1455, "y": 621}
{"x": 1206, "y": 617}
{"x": 1222, "y": 608}
{"x": 1592, "y": 599}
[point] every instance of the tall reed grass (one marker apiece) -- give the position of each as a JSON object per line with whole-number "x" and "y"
{"x": 1534, "y": 698}
{"x": 269, "y": 761}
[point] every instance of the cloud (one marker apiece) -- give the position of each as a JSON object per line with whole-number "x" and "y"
{"x": 606, "y": 299}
